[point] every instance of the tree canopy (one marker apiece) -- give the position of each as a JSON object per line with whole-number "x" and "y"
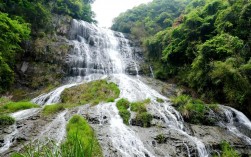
{"x": 207, "y": 47}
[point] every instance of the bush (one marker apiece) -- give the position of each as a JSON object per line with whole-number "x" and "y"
{"x": 52, "y": 109}
{"x": 6, "y": 120}
{"x": 91, "y": 93}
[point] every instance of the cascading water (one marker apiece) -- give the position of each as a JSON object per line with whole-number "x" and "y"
{"x": 236, "y": 119}
{"x": 98, "y": 53}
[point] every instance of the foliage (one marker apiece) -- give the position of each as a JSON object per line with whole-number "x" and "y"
{"x": 227, "y": 150}
{"x": 147, "y": 19}
{"x": 80, "y": 129}
{"x": 13, "y": 31}
{"x": 78, "y": 9}
{"x": 21, "y": 18}
{"x": 207, "y": 48}
{"x": 6, "y": 120}
{"x": 10, "y": 107}
{"x": 91, "y": 93}
{"x": 193, "y": 110}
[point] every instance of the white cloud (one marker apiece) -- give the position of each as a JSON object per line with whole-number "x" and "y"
{"x": 106, "y": 10}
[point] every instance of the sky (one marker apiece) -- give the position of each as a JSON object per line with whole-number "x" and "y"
{"x": 107, "y": 10}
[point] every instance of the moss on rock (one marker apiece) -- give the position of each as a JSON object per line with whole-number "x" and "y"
{"x": 91, "y": 93}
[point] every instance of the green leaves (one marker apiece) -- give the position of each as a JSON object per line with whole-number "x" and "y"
{"x": 12, "y": 32}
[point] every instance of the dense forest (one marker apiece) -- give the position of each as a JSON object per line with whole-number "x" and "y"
{"x": 25, "y": 20}
{"x": 205, "y": 45}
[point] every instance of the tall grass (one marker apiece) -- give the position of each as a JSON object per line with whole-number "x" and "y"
{"x": 80, "y": 142}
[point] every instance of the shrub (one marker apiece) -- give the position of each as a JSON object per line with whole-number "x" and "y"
{"x": 6, "y": 120}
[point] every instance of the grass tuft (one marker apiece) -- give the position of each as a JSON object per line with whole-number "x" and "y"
{"x": 194, "y": 111}
{"x": 91, "y": 93}
{"x": 142, "y": 117}
{"x": 160, "y": 100}
{"x": 7, "y": 106}
{"x": 52, "y": 109}
{"x": 79, "y": 128}
{"x": 123, "y": 106}
{"x": 6, "y": 120}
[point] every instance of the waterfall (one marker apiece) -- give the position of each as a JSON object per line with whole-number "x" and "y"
{"x": 98, "y": 53}
{"x": 236, "y": 119}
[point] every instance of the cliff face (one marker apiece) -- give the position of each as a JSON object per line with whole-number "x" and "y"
{"x": 42, "y": 64}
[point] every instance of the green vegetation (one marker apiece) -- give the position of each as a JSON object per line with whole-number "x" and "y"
{"x": 7, "y": 106}
{"x": 148, "y": 19}
{"x": 193, "y": 110}
{"x": 91, "y": 93}
{"x": 13, "y": 31}
{"x": 142, "y": 117}
{"x": 160, "y": 138}
{"x": 23, "y": 20}
{"x": 206, "y": 48}
{"x": 123, "y": 106}
{"x": 6, "y": 120}
{"x": 52, "y": 109}
{"x": 227, "y": 150}
{"x": 80, "y": 142}
{"x": 79, "y": 128}
{"x": 160, "y": 100}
